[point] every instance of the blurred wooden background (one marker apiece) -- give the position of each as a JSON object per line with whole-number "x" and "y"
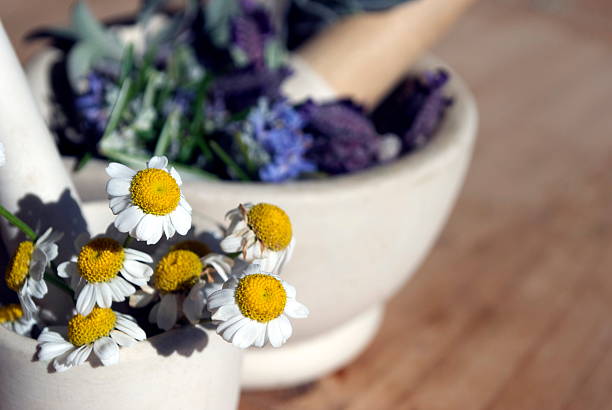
{"x": 513, "y": 308}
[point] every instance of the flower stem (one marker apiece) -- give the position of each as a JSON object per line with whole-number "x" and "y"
{"x": 18, "y": 223}
{"x": 53, "y": 279}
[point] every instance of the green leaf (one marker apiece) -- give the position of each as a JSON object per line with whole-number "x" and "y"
{"x": 118, "y": 108}
{"x": 168, "y": 133}
{"x": 92, "y": 31}
{"x": 228, "y": 161}
{"x": 148, "y": 10}
{"x": 275, "y": 54}
{"x": 127, "y": 63}
{"x": 80, "y": 61}
{"x": 218, "y": 14}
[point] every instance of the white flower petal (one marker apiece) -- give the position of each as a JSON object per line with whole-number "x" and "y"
{"x": 289, "y": 290}
{"x": 260, "y": 341}
{"x": 285, "y": 327}
{"x": 118, "y": 186}
{"x": 119, "y": 203}
{"x": 193, "y": 305}
{"x": 169, "y": 229}
{"x": 66, "y": 269}
{"x": 224, "y": 325}
{"x": 295, "y": 309}
{"x": 150, "y": 229}
{"x": 78, "y": 356}
{"x": 137, "y": 269}
{"x": 220, "y": 298}
{"x": 127, "y": 220}
{"x": 245, "y": 336}
{"x": 38, "y": 288}
{"x": 141, "y": 299}
{"x": 86, "y": 299}
{"x": 226, "y": 312}
{"x": 136, "y": 255}
{"x": 107, "y": 351}
{"x": 38, "y": 263}
{"x": 158, "y": 162}
{"x": 230, "y": 331}
{"x": 231, "y": 244}
{"x": 121, "y": 338}
{"x": 51, "y": 347}
{"x": 130, "y": 327}
{"x": 176, "y": 176}
{"x": 61, "y": 363}
{"x": 275, "y": 335}
{"x": 167, "y": 314}
{"x": 27, "y": 304}
{"x": 181, "y": 220}
{"x": 183, "y": 202}
{"x": 153, "y": 313}
{"x": 117, "y": 170}
{"x": 104, "y": 295}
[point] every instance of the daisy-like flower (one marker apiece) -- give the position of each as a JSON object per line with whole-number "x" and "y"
{"x": 12, "y": 318}
{"x": 262, "y": 233}
{"x": 26, "y": 269}
{"x": 253, "y": 307}
{"x": 149, "y": 202}
{"x": 183, "y": 278}
{"x": 102, "y": 331}
{"x": 103, "y": 272}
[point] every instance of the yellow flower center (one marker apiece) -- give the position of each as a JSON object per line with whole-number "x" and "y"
{"x": 10, "y": 313}
{"x": 271, "y": 226}
{"x": 155, "y": 191}
{"x": 19, "y": 266}
{"x": 87, "y": 329}
{"x": 196, "y": 247}
{"x": 260, "y": 297}
{"x": 100, "y": 260}
{"x": 178, "y": 270}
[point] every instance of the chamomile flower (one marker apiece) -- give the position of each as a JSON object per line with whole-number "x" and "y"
{"x": 149, "y": 202}
{"x": 182, "y": 279}
{"x": 100, "y": 332}
{"x": 26, "y": 269}
{"x": 253, "y": 307}
{"x": 262, "y": 233}
{"x": 103, "y": 272}
{"x": 12, "y": 318}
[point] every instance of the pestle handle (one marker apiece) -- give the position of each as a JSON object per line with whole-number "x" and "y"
{"x": 34, "y": 173}
{"x": 364, "y": 55}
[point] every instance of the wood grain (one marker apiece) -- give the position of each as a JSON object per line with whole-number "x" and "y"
{"x": 512, "y": 308}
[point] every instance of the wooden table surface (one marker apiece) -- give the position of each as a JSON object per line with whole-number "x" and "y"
{"x": 513, "y": 308}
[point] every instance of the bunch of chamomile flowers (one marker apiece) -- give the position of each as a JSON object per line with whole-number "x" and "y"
{"x": 175, "y": 280}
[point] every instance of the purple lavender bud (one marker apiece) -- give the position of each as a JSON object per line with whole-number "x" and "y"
{"x": 277, "y": 130}
{"x": 414, "y": 109}
{"x": 344, "y": 138}
{"x": 241, "y": 89}
{"x": 91, "y": 105}
{"x": 250, "y": 31}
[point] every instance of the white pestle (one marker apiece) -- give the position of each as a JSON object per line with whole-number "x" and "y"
{"x": 33, "y": 166}
{"x": 34, "y": 183}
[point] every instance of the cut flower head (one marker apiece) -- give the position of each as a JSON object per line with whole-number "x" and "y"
{"x": 103, "y": 272}
{"x": 102, "y": 331}
{"x": 149, "y": 202}
{"x": 262, "y": 233}
{"x": 12, "y": 318}
{"x": 26, "y": 269}
{"x": 182, "y": 280}
{"x": 253, "y": 307}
